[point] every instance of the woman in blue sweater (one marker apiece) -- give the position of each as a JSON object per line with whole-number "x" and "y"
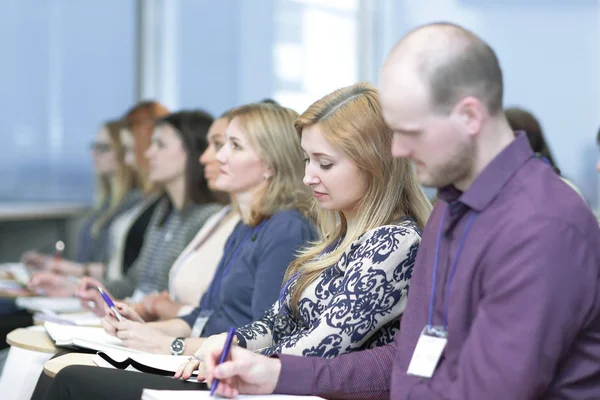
{"x": 261, "y": 166}
{"x": 345, "y": 292}
{"x": 348, "y": 291}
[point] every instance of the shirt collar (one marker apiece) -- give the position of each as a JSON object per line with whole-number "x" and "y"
{"x": 493, "y": 178}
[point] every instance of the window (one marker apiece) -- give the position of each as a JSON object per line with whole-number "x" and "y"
{"x": 316, "y": 49}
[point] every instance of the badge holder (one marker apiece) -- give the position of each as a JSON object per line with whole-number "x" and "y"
{"x": 200, "y": 323}
{"x": 428, "y": 351}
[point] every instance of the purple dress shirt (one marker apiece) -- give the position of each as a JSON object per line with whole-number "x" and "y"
{"x": 524, "y": 302}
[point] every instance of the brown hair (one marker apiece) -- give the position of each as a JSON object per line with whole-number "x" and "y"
{"x": 522, "y": 120}
{"x": 192, "y": 128}
{"x": 140, "y": 121}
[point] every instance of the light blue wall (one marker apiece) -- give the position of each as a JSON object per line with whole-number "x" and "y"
{"x": 550, "y": 54}
{"x": 549, "y": 50}
{"x": 65, "y": 67}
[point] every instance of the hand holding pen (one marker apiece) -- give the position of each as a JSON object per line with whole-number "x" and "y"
{"x": 243, "y": 372}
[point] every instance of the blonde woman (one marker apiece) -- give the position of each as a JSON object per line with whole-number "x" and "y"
{"x": 346, "y": 292}
{"x": 108, "y": 161}
{"x": 261, "y": 166}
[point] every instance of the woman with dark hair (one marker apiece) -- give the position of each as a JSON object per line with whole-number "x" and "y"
{"x": 128, "y": 200}
{"x": 177, "y": 143}
{"x": 522, "y": 120}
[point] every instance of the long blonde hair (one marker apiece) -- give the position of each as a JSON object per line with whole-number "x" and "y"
{"x": 351, "y": 120}
{"x": 270, "y": 131}
{"x": 120, "y": 183}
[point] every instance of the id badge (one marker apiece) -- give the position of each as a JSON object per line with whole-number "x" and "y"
{"x": 200, "y": 323}
{"x": 428, "y": 351}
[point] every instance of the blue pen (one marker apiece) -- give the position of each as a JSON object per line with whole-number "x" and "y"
{"x": 224, "y": 354}
{"x": 110, "y": 303}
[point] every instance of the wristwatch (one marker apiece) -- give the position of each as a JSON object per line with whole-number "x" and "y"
{"x": 178, "y": 346}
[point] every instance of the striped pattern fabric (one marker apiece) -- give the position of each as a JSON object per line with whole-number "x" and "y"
{"x": 162, "y": 245}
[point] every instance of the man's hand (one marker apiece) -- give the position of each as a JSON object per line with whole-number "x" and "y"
{"x": 245, "y": 372}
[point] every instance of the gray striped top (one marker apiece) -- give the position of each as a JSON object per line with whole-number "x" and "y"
{"x": 162, "y": 245}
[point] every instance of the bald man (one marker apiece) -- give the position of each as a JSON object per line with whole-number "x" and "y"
{"x": 504, "y": 301}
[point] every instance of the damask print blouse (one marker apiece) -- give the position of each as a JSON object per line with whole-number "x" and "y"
{"x": 354, "y": 305}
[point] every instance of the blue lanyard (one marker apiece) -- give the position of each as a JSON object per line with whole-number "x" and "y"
{"x": 215, "y": 287}
{"x": 452, "y": 268}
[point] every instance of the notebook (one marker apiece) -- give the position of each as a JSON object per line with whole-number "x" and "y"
{"x": 84, "y": 337}
{"x": 15, "y": 272}
{"x": 85, "y": 318}
{"x": 149, "y": 363}
{"x": 149, "y": 394}
{"x": 55, "y": 304}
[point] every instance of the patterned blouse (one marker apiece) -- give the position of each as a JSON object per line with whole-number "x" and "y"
{"x": 356, "y": 304}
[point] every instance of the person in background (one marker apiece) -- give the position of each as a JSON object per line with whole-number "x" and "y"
{"x": 128, "y": 231}
{"x": 186, "y": 204}
{"x": 126, "y": 228}
{"x": 262, "y": 168}
{"x": 522, "y": 120}
{"x": 110, "y": 169}
{"x": 193, "y": 270}
{"x": 108, "y": 158}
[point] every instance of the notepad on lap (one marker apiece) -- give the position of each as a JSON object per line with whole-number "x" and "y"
{"x": 149, "y": 394}
{"x": 84, "y": 337}
{"x": 15, "y": 271}
{"x": 80, "y": 318}
{"x": 55, "y": 304}
{"x": 149, "y": 363}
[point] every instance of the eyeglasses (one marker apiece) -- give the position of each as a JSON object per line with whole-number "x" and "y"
{"x": 98, "y": 147}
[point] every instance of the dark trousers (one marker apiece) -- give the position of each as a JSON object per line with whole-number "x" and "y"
{"x": 91, "y": 383}
{"x": 12, "y": 318}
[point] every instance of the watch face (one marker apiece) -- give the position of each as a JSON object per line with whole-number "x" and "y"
{"x": 177, "y": 346}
